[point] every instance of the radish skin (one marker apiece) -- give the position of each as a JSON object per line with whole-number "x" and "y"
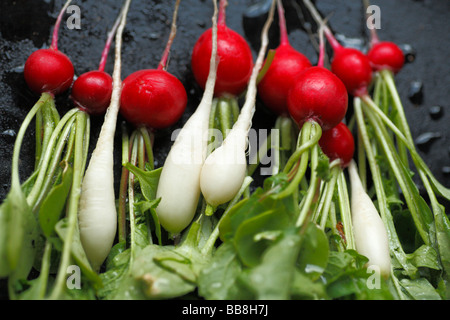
{"x": 370, "y": 234}
{"x": 179, "y": 183}
{"x": 97, "y": 214}
{"x": 225, "y": 168}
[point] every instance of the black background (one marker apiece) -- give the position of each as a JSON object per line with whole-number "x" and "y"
{"x": 26, "y": 25}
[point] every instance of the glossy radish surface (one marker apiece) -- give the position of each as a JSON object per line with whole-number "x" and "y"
{"x": 353, "y": 68}
{"x": 338, "y": 143}
{"x": 92, "y": 91}
{"x": 50, "y": 70}
{"x": 386, "y": 55}
{"x": 318, "y": 95}
{"x": 154, "y": 98}
{"x": 285, "y": 67}
{"x": 235, "y": 59}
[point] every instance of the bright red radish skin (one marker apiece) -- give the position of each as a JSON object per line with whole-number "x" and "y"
{"x": 353, "y": 68}
{"x": 338, "y": 143}
{"x": 235, "y": 59}
{"x": 386, "y": 55}
{"x": 318, "y": 95}
{"x": 286, "y": 65}
{"x": 92, "y": 91}
{"x": 48, "y": 70}
{"x": 154, "y": 98}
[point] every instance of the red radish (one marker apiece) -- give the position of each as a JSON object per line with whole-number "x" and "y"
{"x": 349, "y": 64}
{"x": 49, "y": 70}
{"x": 236, "y": 60}
{"x": 338, "y": 143}
{"x": 286, "y": 65}
{"x": 154, "y": 97}
{"x": 386, "y": 55}
{"x": 318, "y": 95}
{"x": 92, "y": 90}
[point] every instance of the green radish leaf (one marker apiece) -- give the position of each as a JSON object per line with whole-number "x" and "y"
{"x": 272, "y": 279}
{"x": 443, "y": 239}
{"x": 219, "y": 280}
{"x": 156, "y": 281}
{"x": 424, "y": 256}
{"x": 303, "y": 288}
{"x": 420, "y": 289}
{"x": 249, "y": 245}
{"x": 78, "y": 253}
{"x": 53, "y": 205}
{"x": 18, "y": 235}
{"x": 150, "y": 206}
{"x": 313, "y": 257}
{"x": 148, "y": 180}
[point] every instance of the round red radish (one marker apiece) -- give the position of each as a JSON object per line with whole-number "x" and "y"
{"x": 318, "y": 95}
{"x": 235, "y": 61}
{"x": 154, "y": 98}
{"x": 92, "y": 91}
{"x": 48, "y": 70}
{"x": 353, "y": 68}
{"x": 286, "y": 65}
{"x": 338, "y": 143}
{"x": 386, "y": 55}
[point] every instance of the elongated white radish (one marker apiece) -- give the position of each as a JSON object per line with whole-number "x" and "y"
{"x": 97, "y": 214}
{"x": 370, "y": 233}
{"x": 225, "y": 168}
{"x": 179, "y": 183}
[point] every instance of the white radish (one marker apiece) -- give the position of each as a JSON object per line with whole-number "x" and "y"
{"x": 370, "y": 233}
{"x": 97, "y": 215}
{"x": 225, "y": 168}
{"x": 179, "y": 183}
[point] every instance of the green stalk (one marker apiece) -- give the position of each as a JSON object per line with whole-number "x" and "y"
{"x": 394, "y": 242}
{"x": 72, "y": 214}
{"x": 47, "y": 157}
{"x": 45, "y": 98}
{"x": 121, "y": 209}
{"x": 395, "y": 164}
{"x": 147, "y": 135}
{"x": 345, "y": 210}
{"x": 53, "y": 162}
{"x": 324, "y": 205}
{"x": 313, "y": 186}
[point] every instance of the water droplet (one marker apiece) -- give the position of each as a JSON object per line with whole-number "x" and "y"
{"x": 9, "y": 133}
{"x": 446, "y": 170}
{"x": 436, "y": 112}
{"x": 415, "y": 94}
{"x": 425, "y": 140}
{"x": 409, "y": 52}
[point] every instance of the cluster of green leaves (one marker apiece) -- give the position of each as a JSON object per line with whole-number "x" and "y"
{"x": 39, "y": 217}
{"x": 263, "y": 256}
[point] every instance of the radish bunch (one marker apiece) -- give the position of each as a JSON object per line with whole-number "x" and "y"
{"x": 359, "y": 71}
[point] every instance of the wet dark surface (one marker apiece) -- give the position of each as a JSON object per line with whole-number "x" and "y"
{"x": 421, "y": 27}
